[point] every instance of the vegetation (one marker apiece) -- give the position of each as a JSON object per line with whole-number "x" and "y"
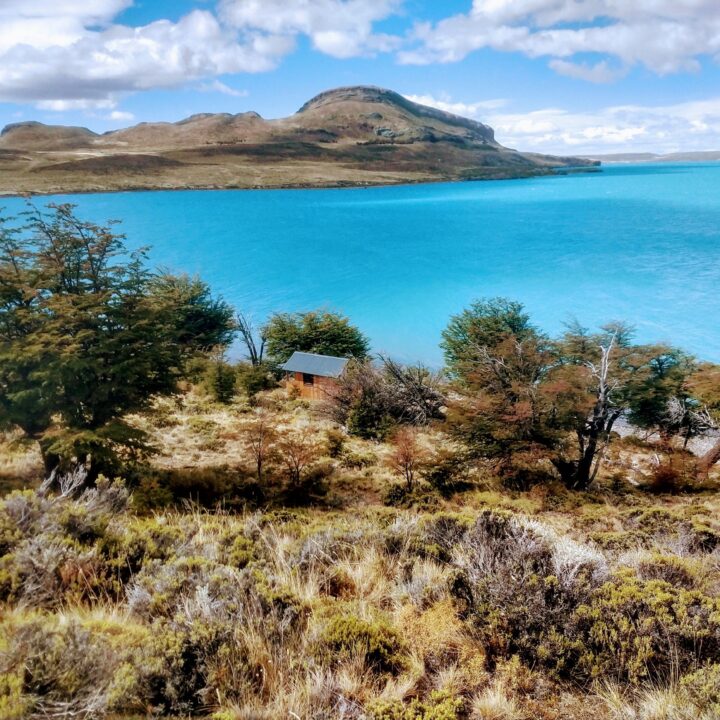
{"x": 525, "y": 397}
{"x": 88, "y": 334}
{"x": 476, "y": 544}
{"x": 324, "y": 333}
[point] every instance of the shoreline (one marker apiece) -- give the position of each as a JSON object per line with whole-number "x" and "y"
{"x": 344, "y": 185}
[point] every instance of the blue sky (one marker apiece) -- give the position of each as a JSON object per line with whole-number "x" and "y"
{"x": 550, "y": 75}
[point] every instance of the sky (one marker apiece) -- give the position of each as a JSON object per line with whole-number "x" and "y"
{"x": 561, "y": 76}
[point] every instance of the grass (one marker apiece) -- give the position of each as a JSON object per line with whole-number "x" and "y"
{"x": 485, "y": 604}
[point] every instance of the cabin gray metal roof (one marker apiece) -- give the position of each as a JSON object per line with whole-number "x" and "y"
{"x": 312, "y": 364}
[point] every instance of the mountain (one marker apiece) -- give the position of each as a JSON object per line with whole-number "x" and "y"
{"x": 352, "y": 136}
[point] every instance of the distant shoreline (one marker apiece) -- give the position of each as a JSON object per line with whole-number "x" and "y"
{"x": 652, "y": 158}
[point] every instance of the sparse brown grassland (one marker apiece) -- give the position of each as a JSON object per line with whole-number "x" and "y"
{"x": 194, "y": 588}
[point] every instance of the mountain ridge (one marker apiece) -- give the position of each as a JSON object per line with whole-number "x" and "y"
{"x": 349, "y": 136}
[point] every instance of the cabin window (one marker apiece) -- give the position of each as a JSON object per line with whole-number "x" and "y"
{"x": 308, "y": 379}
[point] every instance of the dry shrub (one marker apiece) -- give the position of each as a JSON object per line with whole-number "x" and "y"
{"x": 436, "y": 635}
{"x": 494, "y": 703}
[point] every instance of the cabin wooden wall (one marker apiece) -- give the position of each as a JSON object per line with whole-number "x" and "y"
{"x": 319, "y": 390}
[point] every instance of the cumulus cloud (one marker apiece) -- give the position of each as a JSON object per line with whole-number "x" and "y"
{"x": 471, "y": 110}
{"x": 75, "y": 55}
{"x": 78, "y": 64}
{"x": 663, "y": 35}
{"x": 623, "y": 128}
{"x": 341, "y": 28}
{"x": 600, "y": 72}
{"x": 121, "y": 116}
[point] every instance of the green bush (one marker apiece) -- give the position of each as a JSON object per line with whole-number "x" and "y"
{"x": 335, "y": 442}
{"x": 368, "y": 417}
{"x": 220, "y": 381}
{"x": 447, "y": 473}
{"x": 645, "y": 629}
{"x": 440, "y": 705}
{"x": 702, "y": 687}
{"x": 377, "y": 641}
{"x": 157, "y": 488}
{"x": 678, "y": 571}
{"x": 255, "y": 378}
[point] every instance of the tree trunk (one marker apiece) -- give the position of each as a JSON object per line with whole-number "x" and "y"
{"x": 583, "y": 473}
{"x": 51, "y": 461}
{"x": 709, "y": 459}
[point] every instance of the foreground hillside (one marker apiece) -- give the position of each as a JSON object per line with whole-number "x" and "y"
{"x": 345, "y": 596}
{"x": 344, "y": 137}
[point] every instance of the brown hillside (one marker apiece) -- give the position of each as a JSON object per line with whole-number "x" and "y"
{"x": 348, "y": 136}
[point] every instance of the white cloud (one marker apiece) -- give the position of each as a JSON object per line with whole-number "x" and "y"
{"x": 471, "y": 110}
{"x": 221, "y": 87}
{"x": 121, "y": 115}
{"x": 626, "y": 128}
{"x": 76, "y": 104}
{"x": 623, "y": 128}
{"x": 341, "y": 28}
{"x": 75, "y": 58}
{"x": 600, "y": 72}
{"x": 73, "y": 54}
{"x": 663, "y": 35}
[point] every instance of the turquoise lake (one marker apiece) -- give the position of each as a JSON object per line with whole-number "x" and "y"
{"x": 637, "y": 243}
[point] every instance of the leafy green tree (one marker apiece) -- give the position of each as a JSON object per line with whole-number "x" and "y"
{"x": 508, "y": 407}
{"x": 221, "y": 379}
{"x": 321, "y": 332}
{"x": 527, "y": 402}
{"x": 485, "y": 324}
{"x": 88, "y": 334}
{"x": 202, "y": 322}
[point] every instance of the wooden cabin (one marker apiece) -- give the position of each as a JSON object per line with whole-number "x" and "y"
{"x": 315, "y": 376}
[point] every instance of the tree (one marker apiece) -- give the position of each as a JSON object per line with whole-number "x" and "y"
{"x": 522, "y": 398}
{"x": 320, "y": 332}
{"x": 88, "y": 335}
{"x": 298, "y": 449}
{"x": 506, "y": 408}
{"x": 621, "y": 378}
{"x": 202, "y": 322}
{"x": 485, "y": 324}
{"x": 704, "y": 385}
{"x": 255, "y": 346}
{"x": 260, "y": 439}
{"x": 221, "y": 378}
{"x": 406, "y": 455}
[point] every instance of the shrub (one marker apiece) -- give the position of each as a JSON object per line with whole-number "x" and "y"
{"x": 335, "y": 439}
{"x": 207, "y": 486}
{"x": 240, "y": 552}
{"x": 665, "y": 478}
{"x": 377, "y": 642}
{"x": 519, "y": 585}
{"x": 440, "y": 705}
{"x": 675, "y": 570}
{"x": 446, "y": 471}
{"x": 702, "y": 687}
{"x": 643, "y": 629}
{"x": 255, "y": 378}
{"x": 220, "y": 381}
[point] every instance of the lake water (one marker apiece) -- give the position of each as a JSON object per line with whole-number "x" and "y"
{"x": 637, "y": 243}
